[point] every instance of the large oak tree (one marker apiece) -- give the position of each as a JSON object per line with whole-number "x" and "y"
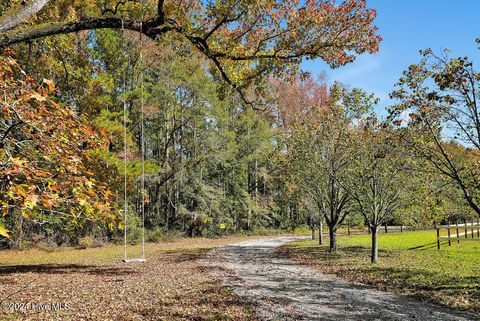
{"x": 243, "y": 40}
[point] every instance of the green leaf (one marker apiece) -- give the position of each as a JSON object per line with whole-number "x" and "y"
{"x": 4, "y": 232}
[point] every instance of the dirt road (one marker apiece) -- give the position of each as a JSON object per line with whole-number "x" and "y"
{"x": 282, "y": 289}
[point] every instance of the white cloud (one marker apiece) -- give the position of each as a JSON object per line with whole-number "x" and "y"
{"x": 362, "y": 67}
{"x": 405, "y": 117}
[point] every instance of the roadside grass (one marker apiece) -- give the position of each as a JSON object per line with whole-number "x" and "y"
{"x": 171, "y": 285}
{"x": 409, "y": 263}
{"x": 106, "y": 254}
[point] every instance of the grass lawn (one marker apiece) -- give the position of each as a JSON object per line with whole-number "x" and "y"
{"x": 171, "y": 285}
{"x": 409, "y": 263}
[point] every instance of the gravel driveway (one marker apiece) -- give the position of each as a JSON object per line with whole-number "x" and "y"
{"x": 284, "y": 290}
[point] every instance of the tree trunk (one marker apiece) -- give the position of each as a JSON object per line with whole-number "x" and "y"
{"x": 312, "y": 225}
{"x": 191, "y": 229}
{"x": 320, "y": 234}
{"x": 374, "y": 257}
{"x": 166, "y": 212}
{"x": 333, "y": 240}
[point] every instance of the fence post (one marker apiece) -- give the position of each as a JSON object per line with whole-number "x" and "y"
{"x": 458, "y": 235}
{"x": 449, "y": 240}
{"x": 478, "y": 228}
{"x": 472, "y": 228}
{"x": 466, "y": 230}
{"x": 438, "y": 238}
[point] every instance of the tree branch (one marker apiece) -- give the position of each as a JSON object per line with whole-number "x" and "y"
{"x": 8, "y": 131}
{"x": 19, "y": 13}
{"x": 161, "y": 14}
{"x": 114, "y": 11}
{"x": 150, "y": 28}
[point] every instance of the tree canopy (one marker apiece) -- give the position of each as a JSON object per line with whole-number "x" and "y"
{"x": 244, "y": 41}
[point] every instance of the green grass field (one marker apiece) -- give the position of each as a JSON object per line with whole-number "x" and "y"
{"x": 409, "y": 263}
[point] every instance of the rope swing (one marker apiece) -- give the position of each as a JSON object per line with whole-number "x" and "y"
{"x": 142, "y": 139}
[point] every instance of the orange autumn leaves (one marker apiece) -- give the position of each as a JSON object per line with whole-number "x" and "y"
{"x": 45, "y": 167}
{"x": 249, "y": 39}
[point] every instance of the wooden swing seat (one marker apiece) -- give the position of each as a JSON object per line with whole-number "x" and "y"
{"x": 134, "y": 260}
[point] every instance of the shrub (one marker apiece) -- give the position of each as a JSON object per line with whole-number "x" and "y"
{"x": 154, "y": 235}
{"x": 88, "y": 242}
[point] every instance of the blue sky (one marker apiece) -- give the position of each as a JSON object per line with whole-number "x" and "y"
{"x": 406, "y": 27}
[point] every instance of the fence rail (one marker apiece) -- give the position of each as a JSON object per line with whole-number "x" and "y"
{"x": 467, "y": 229}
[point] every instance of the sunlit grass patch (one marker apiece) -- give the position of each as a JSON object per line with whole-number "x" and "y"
{"x": 409, "y": 263}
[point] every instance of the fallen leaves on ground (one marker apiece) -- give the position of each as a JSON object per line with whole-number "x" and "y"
{"x": 171, "y": 285}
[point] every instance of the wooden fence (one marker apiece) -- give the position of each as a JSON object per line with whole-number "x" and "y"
{"x": 468, "y": 231}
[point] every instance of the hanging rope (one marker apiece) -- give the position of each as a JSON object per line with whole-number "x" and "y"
{"x": 143, "y": 145}
{"x": 125, "y": 204}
